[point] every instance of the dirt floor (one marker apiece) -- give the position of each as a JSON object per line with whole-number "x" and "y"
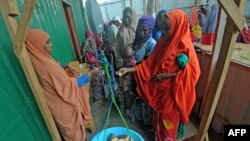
{"x": 99, "y": 109}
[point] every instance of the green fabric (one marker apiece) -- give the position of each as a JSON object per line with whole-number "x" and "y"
{"x": 182, "y": 60}
{"x": 20, "y": 116}
{"x": 180, "y": 132}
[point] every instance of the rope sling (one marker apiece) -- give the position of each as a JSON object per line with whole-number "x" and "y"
{"x": 108, "y": 68}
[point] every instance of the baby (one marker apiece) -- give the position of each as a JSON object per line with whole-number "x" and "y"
{"x": 129, "y": 60}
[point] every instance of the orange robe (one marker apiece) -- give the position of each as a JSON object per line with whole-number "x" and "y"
{"x": 173, "y": 95}
{"x": 68, "y": 104}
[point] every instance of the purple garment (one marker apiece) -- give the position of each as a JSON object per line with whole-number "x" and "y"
{"x": 211, "y": 21}
{"x": 147, "y": 21}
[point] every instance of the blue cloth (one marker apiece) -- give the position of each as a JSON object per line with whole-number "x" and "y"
{"x": 211, "y": 20}
{"x": 62, "y": 65}
{"x": 182, "y": 60}
{"x": 146, "y": 21}
{"x": 145, "y": 50}
{"x": 82, "y": 80}
{"x": 156, "y": 30}
{"x": 180, "y": 133}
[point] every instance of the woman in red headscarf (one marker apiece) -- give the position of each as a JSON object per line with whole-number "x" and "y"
{"x": 167, "y": 78}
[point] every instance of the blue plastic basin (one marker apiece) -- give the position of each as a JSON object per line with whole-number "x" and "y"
{"x": 117, "y": 131}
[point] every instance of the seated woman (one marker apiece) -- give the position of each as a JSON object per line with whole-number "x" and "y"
{"x": 67, "y": 99}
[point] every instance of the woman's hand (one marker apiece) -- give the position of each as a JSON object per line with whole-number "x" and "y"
{"x": 72, "y": 70}
{"x": 94, "y": 72}
{"x": 123, "y": 71}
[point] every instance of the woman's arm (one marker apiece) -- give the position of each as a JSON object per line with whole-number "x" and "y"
{"x": 163, "y": 76}
{"x": 123, "y": 71}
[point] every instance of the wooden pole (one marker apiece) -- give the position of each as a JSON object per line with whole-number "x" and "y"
{"x": 17, "y": 33}
{"x": 131, "y": 3}
{"x": 150, "y": 7}
{"x": 215, "y": 87}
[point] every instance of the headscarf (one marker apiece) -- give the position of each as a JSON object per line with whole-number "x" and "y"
{"x": 156, "y": 30}
{"x": 125, "y": 36}
{"x": 178, "y": 92}
{"x": 194, "y": 16}
{"x": 245, "y": 33}
{"x": 89, "y": 47}
{"x": 68, "y": 104}
{"x": 146, "y": 21}
{"x": 211, "y": 20}
{"x": 89, "y": 35}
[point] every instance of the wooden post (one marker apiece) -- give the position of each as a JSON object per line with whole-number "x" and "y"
{"x": 150, "y": 7}
{"x": 215, "y": 87}
{"x": 131, "y": 3}
{"x": 17, "y": 32}
{"x": 145, "y": 7}
{"x": 157, "y": 7}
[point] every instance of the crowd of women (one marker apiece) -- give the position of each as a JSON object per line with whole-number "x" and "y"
{"x": 155, "y": 59}
{"x": 158, "y": 67}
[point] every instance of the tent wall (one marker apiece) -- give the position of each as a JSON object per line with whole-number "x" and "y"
{"x": 20, "y": 117}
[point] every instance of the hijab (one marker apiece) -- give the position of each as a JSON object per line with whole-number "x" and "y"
{"x": 148, "y": 22}
{"x": 211, "y": 20}
{"x": 68, "y": 103}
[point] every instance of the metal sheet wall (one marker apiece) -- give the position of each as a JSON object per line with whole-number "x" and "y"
{"x": 20, "y": 117}
{"x": 233, "y": 106}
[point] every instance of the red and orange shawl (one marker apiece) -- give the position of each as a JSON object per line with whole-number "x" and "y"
{"x": 178, "y": 92}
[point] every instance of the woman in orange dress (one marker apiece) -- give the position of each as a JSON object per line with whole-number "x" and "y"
{"x": 167, "y": 78}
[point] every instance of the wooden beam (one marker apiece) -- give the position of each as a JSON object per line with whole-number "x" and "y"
{"x": 23, "y": 56}
{"x": 157, "y": 7}
{"x": 8, "y": 9}
{"x": 150, "y": 7}
{"x": 28, "y": 8}
{"x": 131, "y": 4}
{"x": 216, "y": 51}
{"x": 215, "y": 86}
{"x": 10, "y": 6}
{"x": 234, "y": 13}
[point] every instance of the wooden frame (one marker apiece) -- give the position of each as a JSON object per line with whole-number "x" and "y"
{"x": 232, "y": 28}
{"x": 17, "y": 33}
{"x": 72, "y": 29}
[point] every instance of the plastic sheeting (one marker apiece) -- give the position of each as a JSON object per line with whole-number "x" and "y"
{"x": 20, "y": 117}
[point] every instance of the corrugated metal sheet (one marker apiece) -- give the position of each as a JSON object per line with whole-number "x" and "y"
{"x": 234, "y": 103}
{"x": 20, "y": 117}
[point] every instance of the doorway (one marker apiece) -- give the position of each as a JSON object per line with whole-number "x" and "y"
{"x": 72, "y": 29}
